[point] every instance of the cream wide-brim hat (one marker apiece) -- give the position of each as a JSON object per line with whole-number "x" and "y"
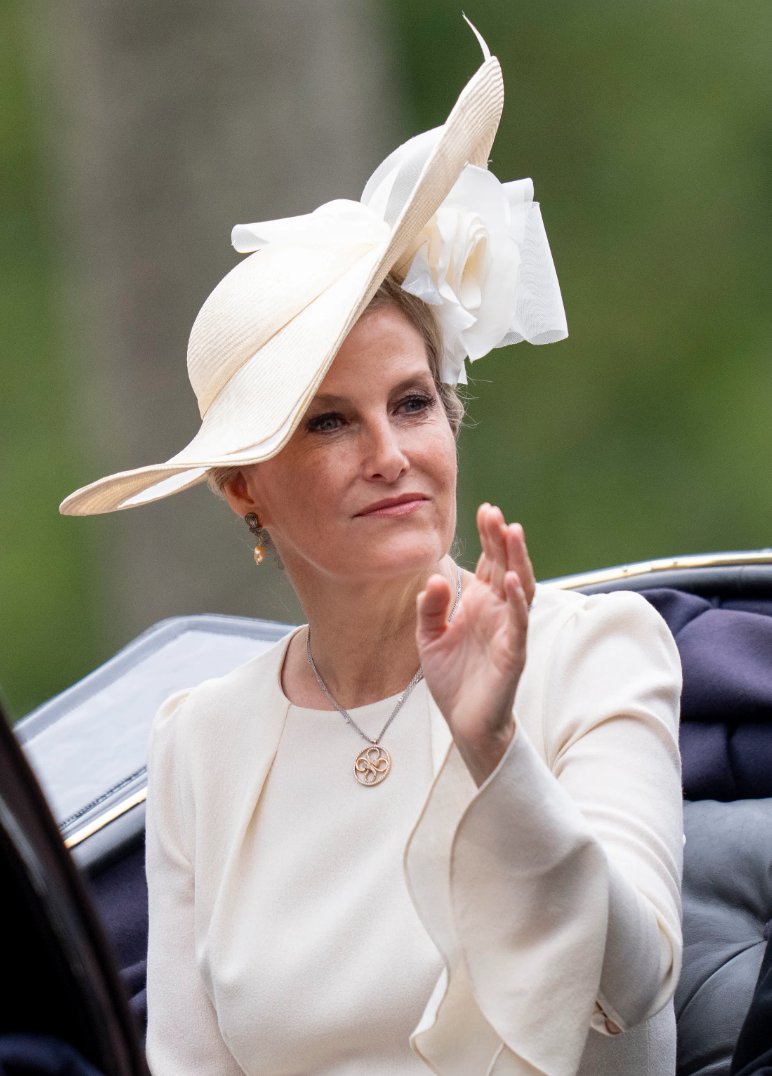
{"x": 268, "y": 333}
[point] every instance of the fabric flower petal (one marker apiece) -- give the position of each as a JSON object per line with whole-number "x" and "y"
{"x": 482, "y": 262}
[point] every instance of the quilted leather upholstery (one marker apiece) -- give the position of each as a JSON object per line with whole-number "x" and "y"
{"x": 727, "y": 918}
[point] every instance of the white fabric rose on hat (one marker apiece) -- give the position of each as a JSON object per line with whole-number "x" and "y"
{"x": 484, "y": 263}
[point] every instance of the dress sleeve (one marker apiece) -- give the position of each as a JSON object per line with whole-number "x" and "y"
{"x": 183, "y": 1035}
{"x": 564, "y": 867}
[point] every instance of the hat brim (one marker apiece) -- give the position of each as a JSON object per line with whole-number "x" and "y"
{"x": 258, "y": 409}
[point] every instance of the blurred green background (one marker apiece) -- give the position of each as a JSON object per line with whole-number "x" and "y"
{"x": 647, "y": 128}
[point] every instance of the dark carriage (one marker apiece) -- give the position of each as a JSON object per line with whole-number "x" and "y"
{"x": 88, "y": 749}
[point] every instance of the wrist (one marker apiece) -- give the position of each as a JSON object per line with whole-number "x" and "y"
{"x": 483, "y": 754}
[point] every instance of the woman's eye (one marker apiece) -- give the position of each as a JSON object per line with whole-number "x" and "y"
{"x": 415, "y": 403}
{"x": 326, "y": 423}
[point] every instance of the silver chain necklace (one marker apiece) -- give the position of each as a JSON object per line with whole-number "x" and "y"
{"x": 373, "y": 763}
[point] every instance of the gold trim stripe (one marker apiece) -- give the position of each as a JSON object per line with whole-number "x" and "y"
{"x": 105, "y": 819}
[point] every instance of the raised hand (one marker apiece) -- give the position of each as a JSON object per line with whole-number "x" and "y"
{"x": 473, "y": 665}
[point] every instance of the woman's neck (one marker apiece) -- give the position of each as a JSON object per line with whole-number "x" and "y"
{"x": 362, "y": 640}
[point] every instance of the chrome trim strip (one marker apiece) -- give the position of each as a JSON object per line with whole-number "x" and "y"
{"x": 666, "y": 564}
{"x": 105, "y": 819}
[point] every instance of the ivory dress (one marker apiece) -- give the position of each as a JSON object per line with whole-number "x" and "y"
{"x": 534, "y": 926}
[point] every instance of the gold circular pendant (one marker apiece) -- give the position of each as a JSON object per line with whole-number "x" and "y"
{"x": 372, "y": 765}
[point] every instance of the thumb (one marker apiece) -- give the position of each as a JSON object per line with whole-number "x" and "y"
{"x": 432, "y": 607}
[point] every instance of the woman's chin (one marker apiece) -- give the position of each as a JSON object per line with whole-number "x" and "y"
{"x": 400, "y": 556}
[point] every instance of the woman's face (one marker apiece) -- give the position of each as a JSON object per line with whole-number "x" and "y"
{"x": 366, "y": 487}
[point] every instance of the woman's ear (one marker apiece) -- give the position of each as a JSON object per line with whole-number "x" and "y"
{"x": 235, "y": 490}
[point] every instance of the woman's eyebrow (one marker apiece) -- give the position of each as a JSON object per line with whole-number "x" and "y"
{"x": 421, "y": 378}
{"x": 326, "y": 399}
{"x": 329, "y": 399}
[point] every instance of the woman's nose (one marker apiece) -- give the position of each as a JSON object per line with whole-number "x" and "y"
{"x": 386, "y": 457}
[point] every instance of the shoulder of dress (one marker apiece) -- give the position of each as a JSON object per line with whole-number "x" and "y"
{"x": 553, "y": 606}
{"x": 567, "y": 624}
{"x": 249, "y": 690}
{"x": 551, "y": 609}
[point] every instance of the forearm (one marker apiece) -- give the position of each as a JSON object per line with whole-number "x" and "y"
{"x": 557, "y": 877}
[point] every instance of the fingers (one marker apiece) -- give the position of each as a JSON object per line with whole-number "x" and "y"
{"x": 503, "y": 550}
{"x": 517, "y": 601}
{"x": 520, "y": 561}
{"x": 493, "y": 560}
{"x": 433, "y": 606}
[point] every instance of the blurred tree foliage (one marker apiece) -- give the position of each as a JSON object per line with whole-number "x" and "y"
{"x": 647, "y": 129}
{"x": 48, "y": 612}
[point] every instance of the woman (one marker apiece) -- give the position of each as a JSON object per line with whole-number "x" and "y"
{"x": 515, "y": 745}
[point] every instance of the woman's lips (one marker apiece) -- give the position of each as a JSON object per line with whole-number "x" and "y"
{"x": 395, "y": 506}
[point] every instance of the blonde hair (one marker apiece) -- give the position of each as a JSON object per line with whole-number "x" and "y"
{"x": 421, "y": 317}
